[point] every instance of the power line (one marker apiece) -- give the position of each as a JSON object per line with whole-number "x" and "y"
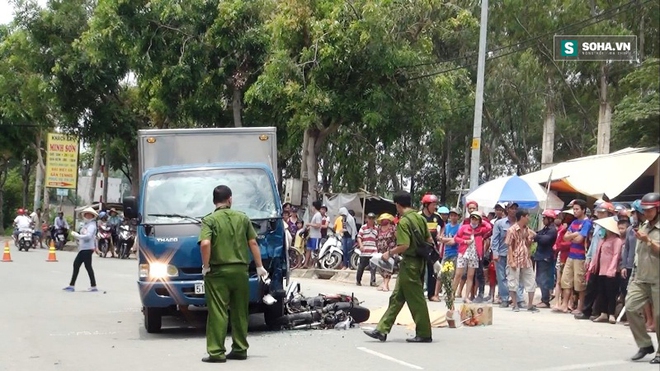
{"x": 580, "y": 25}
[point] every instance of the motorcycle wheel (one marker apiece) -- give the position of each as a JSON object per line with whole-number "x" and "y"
{"x": 104, "y": 249}
{"x": 332, "y": 261}
{"x": 295, "y": 258}
{"x": 355, "y": 260}
{"x": 357, "y": 312}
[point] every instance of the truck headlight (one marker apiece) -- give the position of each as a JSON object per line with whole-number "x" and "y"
{"x": 158, "y": 270}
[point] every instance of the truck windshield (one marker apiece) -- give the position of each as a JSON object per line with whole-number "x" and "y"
{"x": 190, "y": 194}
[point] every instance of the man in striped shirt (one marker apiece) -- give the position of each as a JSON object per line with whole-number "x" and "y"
{"x": 366, "y": 240}
{"x": 573, "y": 276}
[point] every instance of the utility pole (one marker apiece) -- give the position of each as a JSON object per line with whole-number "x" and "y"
{"x": 479, "y": 99}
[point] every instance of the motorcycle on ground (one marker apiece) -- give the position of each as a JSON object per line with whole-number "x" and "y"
{"x": 104, "y": 237}
{"x": 125, "y": 241}
{"x": 321, "y": 311}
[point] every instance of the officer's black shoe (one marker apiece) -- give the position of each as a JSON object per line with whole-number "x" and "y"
{"x": 236, "y": 356}
{"x": 581, "y": 316}
{"x": 655, "y": 361}
{"x": 642, "y": 353}
{"x": 375, "y": 334}
{"x": 418, "y": 339}
{"x": 214, "y": 360}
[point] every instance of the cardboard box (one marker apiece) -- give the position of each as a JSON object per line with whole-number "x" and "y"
{"x": 476, "y": 314}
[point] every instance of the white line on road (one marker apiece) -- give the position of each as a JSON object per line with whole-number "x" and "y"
{"x": 85, "y": 333}
{"x": 386, "y": 357}
{"x": 585, "y": 366}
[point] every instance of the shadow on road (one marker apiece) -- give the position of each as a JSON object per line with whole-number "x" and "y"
{"x": 193, "y": 325}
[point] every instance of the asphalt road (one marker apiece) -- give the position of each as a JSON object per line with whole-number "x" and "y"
{"x": 44, "y": 328}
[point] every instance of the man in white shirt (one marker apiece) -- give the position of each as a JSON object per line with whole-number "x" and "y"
{"x": 36, "y": 223}
{"x": 21, "y": 222}
{"x": 314, "y": 238}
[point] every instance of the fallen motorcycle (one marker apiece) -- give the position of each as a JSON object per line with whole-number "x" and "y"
{"x": 321, "y": 311}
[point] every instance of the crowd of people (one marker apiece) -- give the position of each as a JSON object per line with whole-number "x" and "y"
{"x": 590, "y": 262}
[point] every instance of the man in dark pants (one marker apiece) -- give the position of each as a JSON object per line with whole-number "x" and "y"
{"x": 366, "y": 240}
{"x": 409, "y": 288}
{"x": 223, "y": 239}
{"x": 435, "y": 225}
{"x": 544, "y": 257}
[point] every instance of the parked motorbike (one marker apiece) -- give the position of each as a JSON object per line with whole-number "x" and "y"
{"x": 26, "y": 239}
{"x": 297, "y": 250}
{"x": 331, "y": 254}
{"x": 321, "y": 311}
{"x": 60, "y": 238}
{"x": 104, "y": 237}
{"x": 355, "y": 258}
{"x": 125, "y": 241}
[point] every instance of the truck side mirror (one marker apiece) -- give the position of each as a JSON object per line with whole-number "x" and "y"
{"x": 130, "y": 207}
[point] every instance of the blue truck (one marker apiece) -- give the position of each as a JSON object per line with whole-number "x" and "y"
{"x": 180, "y": 168}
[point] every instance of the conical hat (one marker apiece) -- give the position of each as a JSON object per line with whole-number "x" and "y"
{"x": 610, "y": 224}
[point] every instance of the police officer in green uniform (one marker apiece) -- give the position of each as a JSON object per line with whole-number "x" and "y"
{"x": 645, "y": 285}
{"x": 224, "y": 240}
{"x": 409, "y": 288}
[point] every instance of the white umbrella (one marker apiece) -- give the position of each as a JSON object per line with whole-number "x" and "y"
{"x": 514, "y": 189}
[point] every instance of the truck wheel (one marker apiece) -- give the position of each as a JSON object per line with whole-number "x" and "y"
{"x": 272, "y": 314}
{"x": 153, "y": 319}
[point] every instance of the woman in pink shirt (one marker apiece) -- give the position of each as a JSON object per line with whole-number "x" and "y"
{"x": 470, "y": 240}
{"x": 605, "y": 265}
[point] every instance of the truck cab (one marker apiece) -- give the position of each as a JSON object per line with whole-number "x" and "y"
{"x": 176, "y": 192}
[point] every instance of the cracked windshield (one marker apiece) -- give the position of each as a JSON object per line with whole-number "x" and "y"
{"x": 190, "y": 194}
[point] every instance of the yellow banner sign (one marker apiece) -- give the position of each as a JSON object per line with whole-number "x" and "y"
{"x": 61, "y": 161}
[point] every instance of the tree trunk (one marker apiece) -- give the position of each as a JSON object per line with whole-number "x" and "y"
{"x": 548, "y": 144}
{"x": 96, "y": 164}
{"x": 25, "y": 177}
{"x": 47, "y": 199}
{"x": 4, "y": 168}
{"x": 310, "y": 164}
{"x": 371, "y": 175}
{"x": 39, "y": 176}
{"x": 604, "y": 114}
{"x": 313, "y": 139}
{"x": 237, "y": 107}
{"x": 444, "y": 183}
{"x": 642, "y": 39}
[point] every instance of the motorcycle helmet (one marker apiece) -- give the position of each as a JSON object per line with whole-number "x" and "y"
{"x": 473, "y": 203}
{"x": 102, "y": 214}
{"x": 429, "y": 199}
{"x": 549, "y": 214}
{"x": 637, "y": 206}
{"x": 650, "y": 200}
{"x": 598, "y": 203}
{"x": 20, "y": 212}
{"x": 606, "y": 207}
{"x": 443, "y": 210}
{"x": 371, "y": 216}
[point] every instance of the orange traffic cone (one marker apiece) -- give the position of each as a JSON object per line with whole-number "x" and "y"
{"x": 6, "y": 257}
{"x": 51, "y": 253}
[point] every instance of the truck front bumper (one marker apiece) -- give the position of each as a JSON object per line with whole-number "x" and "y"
{"x": 162, "y": 294}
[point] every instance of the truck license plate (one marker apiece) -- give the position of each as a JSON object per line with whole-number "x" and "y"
{"x": 199, "y": 288}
